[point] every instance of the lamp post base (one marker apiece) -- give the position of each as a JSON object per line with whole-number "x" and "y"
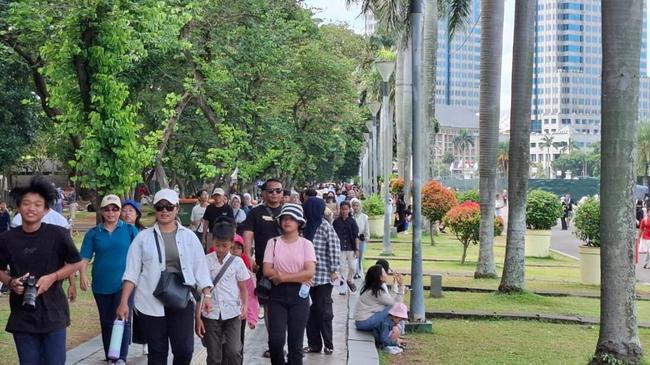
{"x": 419, "y": 327}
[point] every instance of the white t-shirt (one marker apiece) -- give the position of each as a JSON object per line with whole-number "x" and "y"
{"x": 51, "y": 217}
{"x": 225, "y": 299}
{"x": 197, "y": 214}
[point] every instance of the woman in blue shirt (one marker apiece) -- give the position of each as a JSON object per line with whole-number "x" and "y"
{"x": 108, "y": 243}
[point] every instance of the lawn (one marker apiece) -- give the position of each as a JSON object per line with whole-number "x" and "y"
{"x": 465, "y": 342}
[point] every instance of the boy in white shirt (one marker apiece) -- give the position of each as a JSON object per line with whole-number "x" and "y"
{"x": 220, "y": 329}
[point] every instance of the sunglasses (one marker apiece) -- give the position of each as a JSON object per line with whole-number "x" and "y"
{"x": 167, "y": 207}
{"x": 111, "y": 209}
{"x": 276, "y": 191}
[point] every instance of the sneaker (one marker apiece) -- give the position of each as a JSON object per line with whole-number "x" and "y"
{"x": 328, "y": 351}
{"x": 120, "y": 362}
{"x": 267, "y": 354}
{"x": 356, "y": 276}
{"x": 352, "y": 287}
{"x": 393, "y": 350}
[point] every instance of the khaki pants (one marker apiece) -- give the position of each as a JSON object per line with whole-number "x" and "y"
{"x": 347, "y": 264}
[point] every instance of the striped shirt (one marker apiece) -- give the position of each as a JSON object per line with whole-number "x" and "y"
{"x": 327, "y": 247}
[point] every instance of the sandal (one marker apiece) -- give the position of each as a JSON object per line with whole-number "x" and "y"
{"x": 328, "y": 351}
{"x": 309, "y": 350}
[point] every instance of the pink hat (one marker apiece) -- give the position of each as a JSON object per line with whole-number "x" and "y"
{"x": 239, "y": 239}
{"x": 399, "y": 310}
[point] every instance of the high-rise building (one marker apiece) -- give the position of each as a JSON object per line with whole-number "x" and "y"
{"x": 567, "y": 67}
{"x": 458, "y": 63}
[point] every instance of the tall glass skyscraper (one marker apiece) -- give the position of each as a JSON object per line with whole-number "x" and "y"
{"x": 567, "y": 69}
{"x": 458, "y": 63}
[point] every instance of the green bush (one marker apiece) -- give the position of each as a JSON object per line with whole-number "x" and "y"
{"x": 373, "y": 206}
{"x": 468, "y": 196}
{"x": 587, "y": 222}
{"x": 542, "y": 209}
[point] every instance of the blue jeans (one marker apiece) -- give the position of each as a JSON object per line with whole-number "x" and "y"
{"x": 107, "y": 306}
{"x": 41, "y": 348}
{"x": 373, "y": 322}
{"x": 382, "y": 335}
{"x": 362, "y": 248}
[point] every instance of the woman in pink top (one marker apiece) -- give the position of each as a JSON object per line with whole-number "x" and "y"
{"x": 644, "y": 239}
{"x": 290, "y": 263}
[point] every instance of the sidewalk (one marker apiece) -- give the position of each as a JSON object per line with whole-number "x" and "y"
{"x": 350, "y": 346}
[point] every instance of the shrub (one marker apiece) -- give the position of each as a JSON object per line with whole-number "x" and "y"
{"x": 468, "y": 196}
{"x": 465, "y": 221}
{"x": 397, "y": 186}
{"x": 587, "y": 222}
{"x": 373, "y": 206}
{"x": 436, "y": 202}
{"x": 542, "y": 209}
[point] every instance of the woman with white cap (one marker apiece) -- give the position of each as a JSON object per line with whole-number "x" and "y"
{"x": 290, "y": 264}
{"x": 169, "y": 251}
{"x": 108, "y": 243}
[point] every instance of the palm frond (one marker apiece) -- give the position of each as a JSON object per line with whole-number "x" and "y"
{"x": 457, "y": 13}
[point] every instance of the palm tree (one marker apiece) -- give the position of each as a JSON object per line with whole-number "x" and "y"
{"x": 513, "y": 277}
{"x": 492, "y": 14}
{"x": 463, "y": 141}
{"x": 618, "y": 338}
{"x": 502, "y": 157}
{"x": 547, "y": 142}
{"x": 570, "y": 146}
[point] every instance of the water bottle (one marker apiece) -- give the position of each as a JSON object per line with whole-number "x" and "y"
{"x": 304, "y": 291}
{"x": 116, "y": 340}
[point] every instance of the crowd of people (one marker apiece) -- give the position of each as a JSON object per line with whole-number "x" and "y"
{"x": 282, "y": 253}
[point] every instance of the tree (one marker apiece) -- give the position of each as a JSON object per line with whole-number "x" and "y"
{"x": 463, "y": 141}
{"x": 502, "y": 157}
{"x": 643, "y": 150}
{"x": 618, "y": 339}
{"x": 513, "y": 277}
{"x": 547, "y": 142}
{"x": 436, "y": 202}
{"x": 492, "y": 14}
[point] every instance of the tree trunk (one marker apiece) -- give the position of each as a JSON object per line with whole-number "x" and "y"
{"x": 462, "y": 260}
{"x": 161, "y": 177}
{"x": 407, "y": 118}
{"x": 621, "y": 39}
{"x": 513, "y": 277}
{"x": 431, "y": 226}
{"x": 429, "y": 49}
{"x": 492, "y": 14}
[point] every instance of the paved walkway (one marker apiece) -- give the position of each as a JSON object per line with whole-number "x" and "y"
{"x": 350, "y": 346}
{"x": 566, "y": 242}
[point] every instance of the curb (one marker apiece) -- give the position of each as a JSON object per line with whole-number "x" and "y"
{"x": 519, "y": 316}
{"x": 361, "y": 345}
{"x": 564, "y": 254}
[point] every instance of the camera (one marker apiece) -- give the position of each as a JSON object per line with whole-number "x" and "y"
{"x": 29, "y": 296}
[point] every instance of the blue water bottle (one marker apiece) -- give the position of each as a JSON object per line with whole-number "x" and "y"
{"x": 116, "y": 340}
{"x": 304, "y": 291}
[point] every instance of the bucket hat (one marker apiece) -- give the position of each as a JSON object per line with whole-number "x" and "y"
{"x": 294, "y": 211}
{"x": 399, "y": 310}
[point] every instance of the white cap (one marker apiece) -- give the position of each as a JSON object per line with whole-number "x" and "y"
{"x": 166, "y": 194}
{"x": 111, "y": 199}
{"x": 218, "y": 191}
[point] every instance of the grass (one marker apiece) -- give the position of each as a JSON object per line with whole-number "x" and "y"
{"x": 526, "y": 303}
{"x": 465, "y": 342}
{"x": 554, "y": 273}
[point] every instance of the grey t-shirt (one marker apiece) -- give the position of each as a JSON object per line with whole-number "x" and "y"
{"x": 172, "y": 260}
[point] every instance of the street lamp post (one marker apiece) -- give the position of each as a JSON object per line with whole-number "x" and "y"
{"x": 374, "y": 107}
{"x": 385, "y": 69}
{"x": 371, "y": 156}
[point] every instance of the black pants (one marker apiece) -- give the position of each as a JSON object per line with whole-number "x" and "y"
{"x": 244, "y": 323}
{"x": 175, "y": 328}
{"x": 564, "y": 223}
{"x": 106, "y": 306}
{"x": 319, "y": 326}
{"x": 288, "y": 316}
{"x": 222, "y": 341}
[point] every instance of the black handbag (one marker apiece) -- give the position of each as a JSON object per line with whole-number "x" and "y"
{"x": 264, "y": 284}
{"x": 170, "y": 289}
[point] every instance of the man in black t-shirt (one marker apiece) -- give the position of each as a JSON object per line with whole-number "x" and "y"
{"x": 47, "y": 253}
{"x": 260, "y": 226}
{"x": 217, "y": 209}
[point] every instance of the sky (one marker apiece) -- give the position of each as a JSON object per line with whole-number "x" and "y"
{"x": 337, "y": 12}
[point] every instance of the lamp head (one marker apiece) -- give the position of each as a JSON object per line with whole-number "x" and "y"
{"x": 385, "y": 69}
{"x": 374, "y": 107}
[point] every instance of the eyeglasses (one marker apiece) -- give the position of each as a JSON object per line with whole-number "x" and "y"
{"x": 276, "y": 191}
{"x": 167, "y": 207}
{"x": 111, "y": 209}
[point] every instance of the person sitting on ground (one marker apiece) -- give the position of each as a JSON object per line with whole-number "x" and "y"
{"x": 392, "y": 329}
{"x": 220, "y": 328}
{"x": 375, "y": 302}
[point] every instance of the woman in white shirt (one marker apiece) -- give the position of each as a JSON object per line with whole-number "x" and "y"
{"x": 197, "y": 213}
{"x": 375, "y": 301}
{"x": 364, "y": 233}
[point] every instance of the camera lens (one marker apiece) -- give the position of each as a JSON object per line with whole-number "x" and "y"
{"x": 29, "y": 296}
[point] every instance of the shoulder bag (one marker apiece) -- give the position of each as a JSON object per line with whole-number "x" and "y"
{"x": 170, "y": 289}
{"x": 264, "y": 284}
